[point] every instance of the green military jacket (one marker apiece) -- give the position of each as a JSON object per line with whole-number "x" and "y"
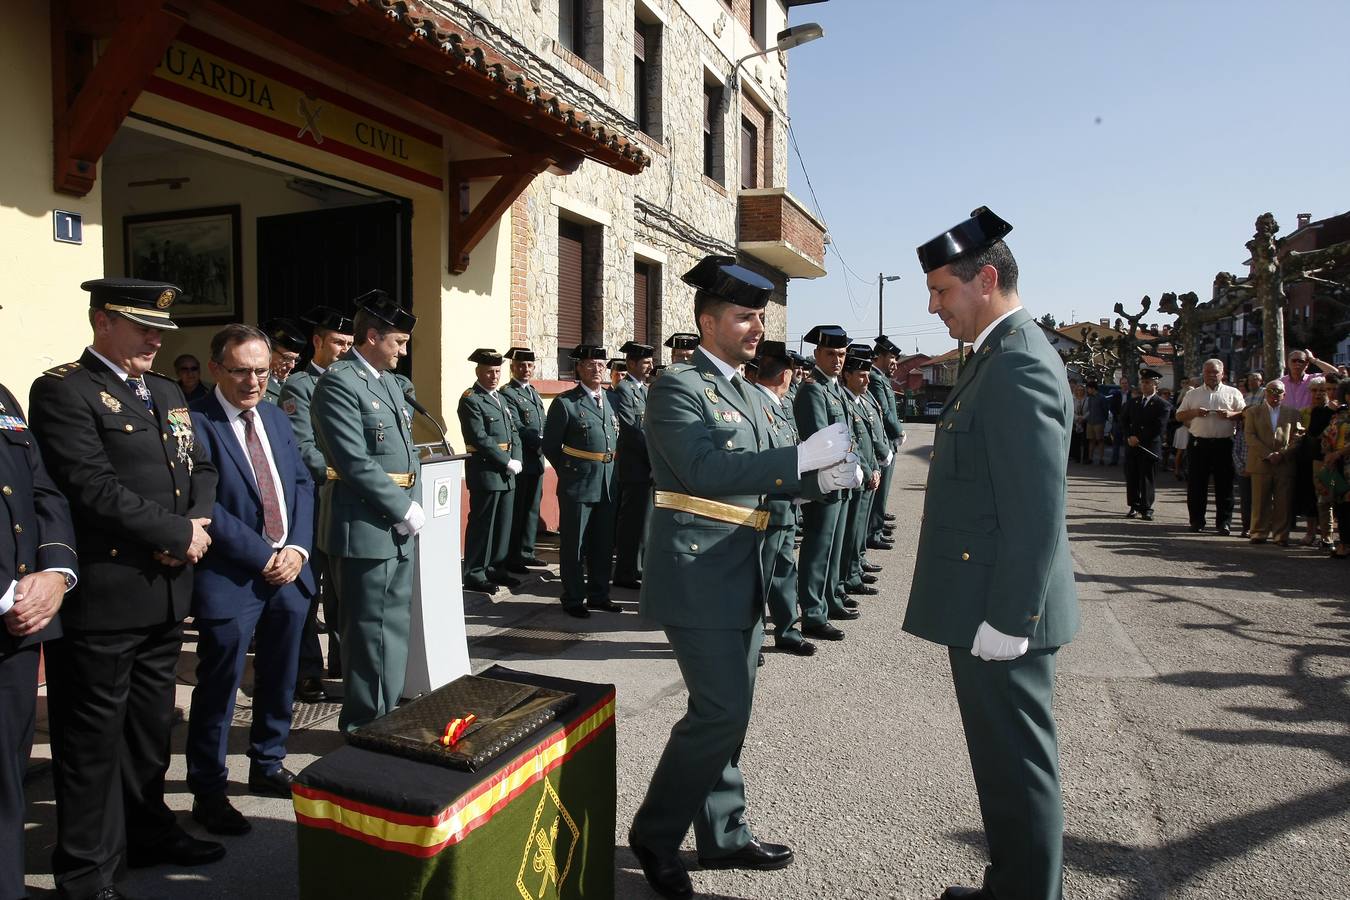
{"x": 782, "y": 433}
{"x": 879, "y": 386}
{"x": 993, "y": 545}
{"x": 820, "y": 402}
{"x": 529, "y": 410}
{"x": 363, "y": 427}
{"x": 273, "y": 393}
{"x": 710, "y": 441}
{"x": 574, "y": 421}
{"x": 630, "y": 405}
{"x": 866, "y": 428}
{"x": 296, "y": 396}
{"x": 491, "y": 439}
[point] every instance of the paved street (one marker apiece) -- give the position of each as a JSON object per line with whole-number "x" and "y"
{"x": 1204, "y": 718}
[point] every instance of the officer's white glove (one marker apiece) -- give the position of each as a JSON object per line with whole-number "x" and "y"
{"x": 514, "y": 466}
{"x": 413, "y": 520}
{"x": 890, "y": 455}
{"x": 904, "y": 437}
{"x": 992, "y": 644}
{"x": 826, "y": 447}
{"x": 844, "y": 476}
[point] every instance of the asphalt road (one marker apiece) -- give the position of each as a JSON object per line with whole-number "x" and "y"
{"x": 1204, "y": 716}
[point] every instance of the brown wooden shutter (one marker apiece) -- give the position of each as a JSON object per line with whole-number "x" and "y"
{"x": 749, "y": 154}
{"x": 640, "y": 39}
{"x": 641, "y": 295}
{"x": 570, "y": 238}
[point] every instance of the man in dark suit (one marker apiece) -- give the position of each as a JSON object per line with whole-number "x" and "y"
{"x": 256, "y": 577}
{"x": 993, "y": 580}
{"x": 632, "y": 467}
{"x": 529, "y": 413}
{"x": 1143, "y": 421}
{"x": 118, "y": 442}
{"x": 37, "y": 567}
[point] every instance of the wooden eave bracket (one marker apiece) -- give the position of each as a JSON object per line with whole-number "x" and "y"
{"x": 90, "y": 99}
{"x": 469, "y": 226}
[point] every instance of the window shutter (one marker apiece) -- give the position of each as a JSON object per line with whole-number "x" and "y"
{"x": 749, "y": 155}
{"x": 569, "y": 286}
{"x": 641, "y": 301}
{"x": 640, "y": 40}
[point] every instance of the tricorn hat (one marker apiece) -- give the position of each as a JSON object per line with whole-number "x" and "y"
{"x": 884, "y": 344}
{"x": 485, "y": 356}
{"x": 325, "y": 318}
{"x": 386, "y": 309}
{"x": 980, "y": 230}
{"x": 634, "y": 350}
{"x": 588, "y": 351}
{"x": 828, "y": 336}
{"x": 519, "y": 354}
{"x": 143, "y": 302}
{"x": 720, "y": 277}
{"x": 284, "y": 334}
{"x": 682, "y": 340}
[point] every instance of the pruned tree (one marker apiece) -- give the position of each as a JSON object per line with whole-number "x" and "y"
{"x": 1093, "y": 359}
{"x": 1126, "y": 347}
{"x": 1191, "y": 314}
{"x": 1048, "y": 320}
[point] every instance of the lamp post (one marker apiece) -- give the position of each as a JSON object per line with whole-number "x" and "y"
{"x": 786, "y": 39}
{"x": 881, "y": 290}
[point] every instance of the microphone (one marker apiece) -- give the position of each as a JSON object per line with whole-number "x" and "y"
{"x": 412, "y": 401}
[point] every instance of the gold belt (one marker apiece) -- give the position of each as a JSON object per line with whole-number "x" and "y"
{"x": 402, "y": 479}
{"x": 593, "y": 456}
{"x": 470, "y": 448}
{"x": 712, "y": 509}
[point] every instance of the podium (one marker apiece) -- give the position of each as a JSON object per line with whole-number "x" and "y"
{"x": 438, "y": 648}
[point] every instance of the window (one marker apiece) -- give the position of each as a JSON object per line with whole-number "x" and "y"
{"x": 647, "y": 77}
{"x": 757, "y": 22}
{"x": 580, "y": 283}
{"x": 749, "y": 154}
{"x": 645, "y": 278}
{"x": 713, "y": 153}
{"x": 581, "y": 31}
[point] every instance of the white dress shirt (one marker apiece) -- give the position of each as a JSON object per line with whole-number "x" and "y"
{"x": 728, "y": 371}
{"x": 234, "y": 414}
{"x": 374, "y": 371}
{"x": 1225, "y": 398}
{"x": 979, "y": 341}
{"x": 118, "y": 370}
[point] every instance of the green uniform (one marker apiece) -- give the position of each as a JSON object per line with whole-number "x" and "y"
{"x": 528, "y": 407}
{"x": 706, "y": 584}
{"x": 779, "y": 558}
{"x": 993, "y": 548}
{"x": 585, "y": 491}
{"x": 363, "y": 427}
{"x": 884, "y": 394}
{"x": 297, "y": 395}
{"x": 491, "y": 440}
{"x": 633, "y": 470}
{"x": 819, "y": 403}
{"x": 867, "y": 435}
{"x": 273, "y": 393}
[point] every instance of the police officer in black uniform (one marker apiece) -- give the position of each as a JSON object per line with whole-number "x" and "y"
{"x": 117, "y": 440}
{"x": 1144, "y": 422}
{"x": 37, "y": 567}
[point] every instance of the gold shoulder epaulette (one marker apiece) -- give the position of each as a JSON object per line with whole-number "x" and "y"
{"x": 62, "y": 370}
{"x": 466, "y": 394}
{"x": 160, "y": 375}
{"x": 677, "y": 368}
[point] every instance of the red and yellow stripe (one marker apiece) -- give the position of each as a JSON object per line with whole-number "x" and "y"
{"x": 425, "y": 836}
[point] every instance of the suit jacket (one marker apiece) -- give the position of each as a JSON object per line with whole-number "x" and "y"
{"x": 488, "y": 424}
{"x": 710, "y": 442}
{"x": 363, "y": 426}
{"x": 1263, "y": 440}
{"x": 820, "y": 402}
{"x": 296, "y": 396}
{"x": 36, "y": 531}
{"x": 529, "y": 409}
{"x": 1146, "y": 421}
{"x": 993, "y": 545}
{"x": 134, "y": 479}
{"x": 630, "y": 405}
{"x": 231, "y": 571}
{"x": 574, "y": 421}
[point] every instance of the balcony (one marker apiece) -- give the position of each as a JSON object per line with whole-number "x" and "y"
{"x": 776, "y": 229}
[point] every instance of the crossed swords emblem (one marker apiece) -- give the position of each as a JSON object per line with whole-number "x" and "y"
{"x": 311, "y": 118}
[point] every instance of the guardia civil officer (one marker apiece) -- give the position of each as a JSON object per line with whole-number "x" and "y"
{"x": 331, "y": 339}
{"x": 869, "y": 442}
{"x": 528, "y": 407}
{"x": 492, "y": 441}
{"x": 712, "y": 466}
{"x": 1143, "y": 421}
{"x": 682, "y": 345}
{"x": 993, "y": 580}
{"x": 885, "y": 355}
{"x": 368, "y": 518}
{"x": 632, "y": 467}
{"x": 37, "y": 567}
{"x": 580, "y": 435}
{"x": 288, "y": 341}
{"x": 819, "y": 404}
{"x": 117, "y": 440}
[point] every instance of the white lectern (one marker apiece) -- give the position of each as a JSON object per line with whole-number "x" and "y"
{"x": 438, "y": 648}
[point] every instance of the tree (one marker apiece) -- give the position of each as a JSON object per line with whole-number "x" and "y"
{"x": 1191, "y": 314}
{"x": 1126, "y": 346}
{"x": 1048, "y": 320}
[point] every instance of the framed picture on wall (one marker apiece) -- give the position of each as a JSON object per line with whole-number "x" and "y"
{"x": 196, "y": 249}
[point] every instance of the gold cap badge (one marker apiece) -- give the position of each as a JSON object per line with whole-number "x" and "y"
{"x": 166, "y": 299}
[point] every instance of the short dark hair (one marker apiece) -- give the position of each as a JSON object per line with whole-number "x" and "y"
{"x": 770, "y": 367}
{"x": 706, "y": 303}
{"x": 182, "y": 358}
{"x": 364, "y": 321}
{"x": 233, "y": 334}
{"x": 968, "y": 265}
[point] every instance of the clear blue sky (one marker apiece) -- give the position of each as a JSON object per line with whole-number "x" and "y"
{"x": 910, "y": 114}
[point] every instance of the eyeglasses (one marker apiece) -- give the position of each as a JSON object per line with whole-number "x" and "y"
{"x": 243, "y": 372}
{"x": 189, "y": 368}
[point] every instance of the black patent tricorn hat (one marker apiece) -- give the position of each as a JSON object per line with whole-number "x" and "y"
{"x": 284, "y": 334}
{"x": 325, "y": 318}
{"x": 980, "y": 230}
{"x": 831, "y": 337}
{"x": 723, "y": 279}
{"x": 386, "y": 309}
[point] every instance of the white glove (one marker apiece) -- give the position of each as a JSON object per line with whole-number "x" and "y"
{"x": 826, "y": 447}
{"x": 514, "y": 466}
{"x": 904, "y": 437}
{"x": 844, "y": 476}
{"x": 890, "y": 455}
{"x": 413, "y": 520}
{"x": 992, "y": 644}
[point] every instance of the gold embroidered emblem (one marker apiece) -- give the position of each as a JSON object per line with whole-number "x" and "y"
{"x": 374, "y": 404}
{"x": 165, "y": 299}
{"x": 110, "y": 401}
{"x": 712, "y": 394}
{"x": 548, "y": 849}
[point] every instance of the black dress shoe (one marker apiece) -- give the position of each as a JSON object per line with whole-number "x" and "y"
{"x": 966, "y": 893}
{"x": 518, "y": 568}
{"x": 503, "y": 579}
{"x": 1132, "y": 514}
{"x": 604, "y": 606}
{"x": 1225, "y": 531}
{"x": 631, "y": 585}
{"x": 214, "y": 813}
{"x": 578, "y": 610}
{"x": 761, "y": 659}
{"x": 179, "y": 849}
{"x": 890, "y": 517}
{"x": 110, "y": 893}
{"x": 754, "y": 855}
{"x": 482, "y": 585}
{"x": 862, "y": 590}
{"x": 842, "y": 615}
{"x": 868, "y": 567}
{"x": 824, "y": 631}
{"x": 310, "y": 690}
{"x": 880, "y": 545}
{"x": 1146, "y": 516}
{"x": 849, "y": 603}
{"x": 869, "y": 578}
{"x": 1197, "y": 528}
{"x": 273, "y": 784}
{"x": 666, "y": 874}
{"x": 798, "y": 648}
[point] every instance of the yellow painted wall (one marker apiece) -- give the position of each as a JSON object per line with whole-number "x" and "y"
{"x": 44, "y": 319}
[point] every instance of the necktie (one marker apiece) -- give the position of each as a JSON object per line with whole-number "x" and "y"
{"x": 273, "y": 527}
{"x": 137, "y": 384}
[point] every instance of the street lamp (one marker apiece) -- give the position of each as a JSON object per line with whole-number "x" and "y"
{"x": 786, "y": 39}
{"x": 881, "y": 288}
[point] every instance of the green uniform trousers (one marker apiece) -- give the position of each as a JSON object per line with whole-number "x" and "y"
{"x": 877, "y": 518}
{"x": 635, "y": 512}
{"x": 848, "y": 559}
{"x": 488, "y": 532}
{"x": 1010, "y": 734}
{"x": 782, "y": 582}
{"x": 818, "y": 568}
{"x": 586, "y": 535}
{"x": 524, "y": 517}
{"x": 698, "y": 779}
{"x": 376, "y": 615}
{"x": 856, "y": 550}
